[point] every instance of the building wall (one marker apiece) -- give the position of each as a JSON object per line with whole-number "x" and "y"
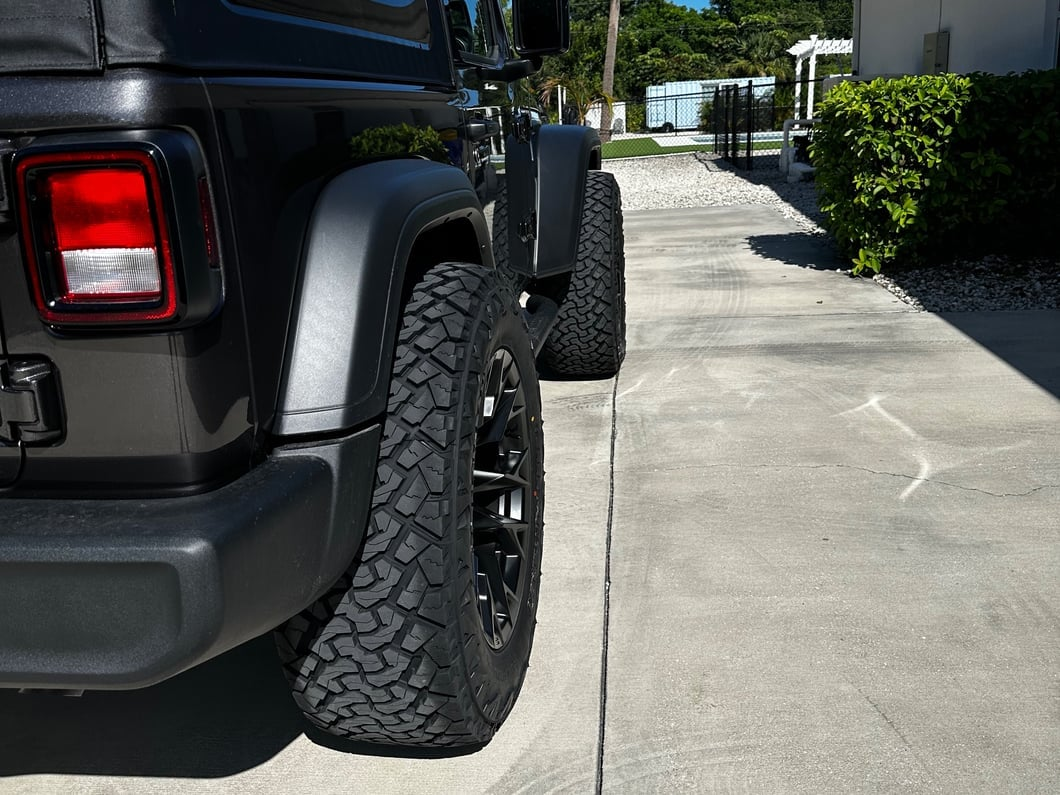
{"x": 996, "y": 36}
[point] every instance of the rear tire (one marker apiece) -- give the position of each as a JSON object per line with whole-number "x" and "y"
{"x": 425, "y": 641}
{"x": 589, "y": 338}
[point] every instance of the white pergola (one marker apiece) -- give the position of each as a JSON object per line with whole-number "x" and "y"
{"x": 808, "y": 50}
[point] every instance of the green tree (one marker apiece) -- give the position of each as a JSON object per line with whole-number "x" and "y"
{"x": 578, "y": 93}
{"x": 760, "y": 49}
{"x": 658, "y": 41}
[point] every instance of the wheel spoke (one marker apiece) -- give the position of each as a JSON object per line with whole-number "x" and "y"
{"x": 504, "y": 409}
{"x": 491, "y": 529}
{"x": 491, "y": 482}
{"x": 510, "y": 539}
{"x": 495, "y": 383}
{"x": 485, "y": 607}
{"x": 488, "y": 521}
{"x": 491, "y": 562}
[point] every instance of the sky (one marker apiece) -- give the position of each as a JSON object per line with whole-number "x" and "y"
{"x": 696, "y": 4}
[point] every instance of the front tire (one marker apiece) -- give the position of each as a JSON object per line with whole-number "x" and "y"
{"x": 425, "y": 641}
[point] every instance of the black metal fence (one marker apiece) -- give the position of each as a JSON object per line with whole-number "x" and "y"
{"x": 749, "y": 123}
{"x": 741, "y": 121}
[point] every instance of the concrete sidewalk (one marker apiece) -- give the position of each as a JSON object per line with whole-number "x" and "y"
{"x": 832, "y": 551}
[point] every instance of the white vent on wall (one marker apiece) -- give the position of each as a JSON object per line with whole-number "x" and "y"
{"x": 936, "y": 52}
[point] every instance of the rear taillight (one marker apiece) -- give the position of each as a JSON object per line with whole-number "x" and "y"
{"x": 98, "y": 245}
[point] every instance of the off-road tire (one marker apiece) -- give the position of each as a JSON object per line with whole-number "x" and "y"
{"x": 512, "y": 281}
{"x": 402, "y": 650}
{"x": 589, "y": 338}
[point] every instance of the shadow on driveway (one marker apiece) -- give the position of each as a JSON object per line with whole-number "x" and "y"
{"x": 221, "y": 718}
{"x": 799, "y": 248}
{"x": 228, "y": 715}
{"x": 1028, "y": 341}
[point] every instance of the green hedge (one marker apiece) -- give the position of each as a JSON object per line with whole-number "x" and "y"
{"x": 921, "y": 169}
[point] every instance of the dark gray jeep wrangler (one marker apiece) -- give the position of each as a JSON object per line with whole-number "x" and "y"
{"x": 253, "y": 377}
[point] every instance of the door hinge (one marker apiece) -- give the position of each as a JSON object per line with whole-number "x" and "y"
{"x": 479, "y": 128}
{"x": 528, "y": 227}
{"x": 30, "y": 405}
{"x": 523, "y": 127}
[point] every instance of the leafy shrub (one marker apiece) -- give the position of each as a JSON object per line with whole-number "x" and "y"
{"x": 398, "y": 140}
{"x": 635, "y": 121}
{"x": 917, "y": 168}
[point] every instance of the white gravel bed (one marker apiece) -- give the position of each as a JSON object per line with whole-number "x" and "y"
{"x": 700, "y": 180}
{"x": 992, "y": 283}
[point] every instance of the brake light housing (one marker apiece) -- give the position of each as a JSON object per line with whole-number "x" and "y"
{"x": 118, "y": 234}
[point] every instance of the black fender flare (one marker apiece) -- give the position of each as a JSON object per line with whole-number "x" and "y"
{"x": 347, "y": 305}
{"x": 565, "y": 152}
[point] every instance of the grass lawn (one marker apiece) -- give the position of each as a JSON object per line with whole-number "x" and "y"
{"x": 644, "y": 147}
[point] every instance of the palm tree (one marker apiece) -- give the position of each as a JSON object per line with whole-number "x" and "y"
{"x": 760, "y": 53}
{"x": 608, "y": 83}
{"x": 579, "y": 93}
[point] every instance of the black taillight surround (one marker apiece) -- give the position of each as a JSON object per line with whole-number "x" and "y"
{"x": 181, "y": 208}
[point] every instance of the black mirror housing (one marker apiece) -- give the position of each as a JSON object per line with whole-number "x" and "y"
{"x": 542, "y": 27}
{"x": 511, "y": 70}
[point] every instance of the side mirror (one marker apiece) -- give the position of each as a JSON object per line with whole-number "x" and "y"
{"x": 542, "y": 27}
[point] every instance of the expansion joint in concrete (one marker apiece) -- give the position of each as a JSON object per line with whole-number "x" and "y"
{"x": 606, "y": 633}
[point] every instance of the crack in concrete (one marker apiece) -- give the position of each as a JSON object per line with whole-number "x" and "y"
{"x": 898, "y": 475}
{"x": 886, "y": 718}
{"x": 894, "y": 728}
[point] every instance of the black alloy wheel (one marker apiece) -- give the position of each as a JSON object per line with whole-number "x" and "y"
{"x": 501, "y": 497}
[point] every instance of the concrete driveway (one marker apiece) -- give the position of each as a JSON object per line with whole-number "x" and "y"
{"x": 830, "y": 564}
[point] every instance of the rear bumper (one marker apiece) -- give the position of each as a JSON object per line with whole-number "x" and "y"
{"x": 116, "y": 594}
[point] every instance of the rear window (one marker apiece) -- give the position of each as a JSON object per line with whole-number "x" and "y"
{"x": 399, "y": 19}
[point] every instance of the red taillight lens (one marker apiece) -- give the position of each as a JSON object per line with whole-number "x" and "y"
{"x": 96, "y": 238}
